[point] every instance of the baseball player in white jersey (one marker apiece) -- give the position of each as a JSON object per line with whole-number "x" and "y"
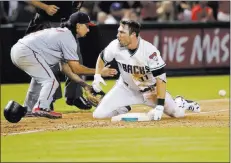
{"x": 142, "y": 78}
{"x": 38, "y": 51}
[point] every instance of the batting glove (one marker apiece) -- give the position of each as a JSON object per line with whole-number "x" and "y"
{"x": 156, "y": 113}
{"x": 96, "y": 83}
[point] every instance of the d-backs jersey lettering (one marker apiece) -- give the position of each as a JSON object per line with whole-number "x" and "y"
{"x": 136, "y": 69}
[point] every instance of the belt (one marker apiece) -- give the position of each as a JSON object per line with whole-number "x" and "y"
{"x": 145, "y": 89}
{"x": 148, "y": 89}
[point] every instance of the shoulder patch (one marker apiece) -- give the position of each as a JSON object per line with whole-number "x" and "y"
{"x": 153, "y": 55}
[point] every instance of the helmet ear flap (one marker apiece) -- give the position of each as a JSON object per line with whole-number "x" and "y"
{"x": 13, "y": 112}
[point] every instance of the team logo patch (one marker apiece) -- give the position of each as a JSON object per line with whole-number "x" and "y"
{"x": 154, "y": 55}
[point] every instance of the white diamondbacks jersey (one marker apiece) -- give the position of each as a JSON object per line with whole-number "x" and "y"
{"x": 53, "y": 44}
{"x": 135, "y": 68}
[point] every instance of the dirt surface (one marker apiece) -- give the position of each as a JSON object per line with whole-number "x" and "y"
{"x": 214, "y": 113}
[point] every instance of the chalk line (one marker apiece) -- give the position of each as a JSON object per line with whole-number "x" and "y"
{"x": 26, "y": 132}
{"x": 206, "y": 112}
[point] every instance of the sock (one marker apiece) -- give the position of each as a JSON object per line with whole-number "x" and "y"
{"x": 121, "y": 110}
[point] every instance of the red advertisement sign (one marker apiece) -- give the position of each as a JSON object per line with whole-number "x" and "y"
{"x": 177, "y": 46}
{"x": 151, "y": 36}
{"x": 191, "y": 48}
{"x": 216, "y": 47}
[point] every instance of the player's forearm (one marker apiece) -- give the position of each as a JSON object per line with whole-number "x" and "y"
{"x": 77, "y": 68}
{"x": 85, "y": 70}
{"x": 161, "y": 88}
{"x": 39, "y": 4}
{"x": 74, "y": 77}
{"x": 99, "y": 65}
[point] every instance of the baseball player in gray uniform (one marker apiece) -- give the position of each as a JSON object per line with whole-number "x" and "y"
{"x": 37, "y": 52}
{"x": 47, "y": 15}
{"x": 142, "y": 78}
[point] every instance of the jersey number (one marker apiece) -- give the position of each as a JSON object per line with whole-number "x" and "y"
{"x": 145, "y": 77}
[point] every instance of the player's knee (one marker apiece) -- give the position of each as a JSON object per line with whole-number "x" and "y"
{"x": 98, "y": 115}
{"x": 52, "y": 82}
{"x": 56, "y": 84}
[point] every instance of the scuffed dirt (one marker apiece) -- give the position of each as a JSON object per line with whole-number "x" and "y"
{"x": 215, "y": 113}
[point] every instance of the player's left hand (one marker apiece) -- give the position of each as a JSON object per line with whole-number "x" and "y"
{"x": 96, "y": 83}
{"x": 106, "y": 71}
{"x": 156, "y": 113}
{"x": 92, "y": 96}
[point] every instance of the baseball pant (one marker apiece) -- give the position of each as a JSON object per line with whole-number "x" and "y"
{"x": 35, "y": 66}
{"x": 35, "y": 88}
{"x": 121, "y": 95}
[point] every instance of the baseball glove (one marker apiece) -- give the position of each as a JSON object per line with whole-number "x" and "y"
{"x": 93, "y": 97}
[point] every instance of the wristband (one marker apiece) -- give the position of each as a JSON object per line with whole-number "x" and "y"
{"x": 83, "y": 84}
{"x": 97, "y": 76}
{"x": 160, "y": 101}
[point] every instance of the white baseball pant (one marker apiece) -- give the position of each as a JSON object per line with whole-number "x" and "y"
{"x": 121, "y": 95}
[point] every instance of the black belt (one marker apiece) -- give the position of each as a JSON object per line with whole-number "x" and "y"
{"x": 145, "y": 89}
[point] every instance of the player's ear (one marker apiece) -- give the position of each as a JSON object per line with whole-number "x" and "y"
{"x": 133, "y": 34}
{"x": 77, "y": 26}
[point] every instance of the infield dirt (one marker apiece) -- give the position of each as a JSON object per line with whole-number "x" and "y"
{"x": 214, "y": 113}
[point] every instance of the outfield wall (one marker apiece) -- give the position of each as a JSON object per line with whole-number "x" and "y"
{"x": 187, "y": 48}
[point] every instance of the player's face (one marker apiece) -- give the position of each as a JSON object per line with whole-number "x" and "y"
{"x": 82, "y": 29}
{"x": 123, "y": 35}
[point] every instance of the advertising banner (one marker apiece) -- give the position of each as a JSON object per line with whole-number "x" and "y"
{"x": 191, "y": 48}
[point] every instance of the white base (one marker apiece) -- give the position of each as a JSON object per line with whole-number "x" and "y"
{"x": 131, "y": 117}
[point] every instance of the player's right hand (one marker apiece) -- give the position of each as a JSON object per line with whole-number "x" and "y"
{"x": 96, "y": 83}
{"x": 156, "y": 113}
{"x": 51, "y": 10}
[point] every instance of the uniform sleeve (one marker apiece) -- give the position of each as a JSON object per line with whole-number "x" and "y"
{"x": 69, "y": 48}
{"x": 108, "y": 54}
{"x": 154, "y": 60}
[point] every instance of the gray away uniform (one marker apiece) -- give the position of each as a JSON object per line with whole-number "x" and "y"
{"x": 72, "y": 89}
{"x": 36, "y": 53}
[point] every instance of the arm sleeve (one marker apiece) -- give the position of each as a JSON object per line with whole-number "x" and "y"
{"x": 108, "y": 54}
{"x": 69, "y": 47}
{"x": 158, "y": 72}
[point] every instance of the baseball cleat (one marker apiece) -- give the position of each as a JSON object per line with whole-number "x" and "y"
{"x": 187, "y": 104}
{"x": 194, "y": 106}
{"x": 29, "y": 114}
{"x": 80, "y": 103}
{"x": 40, "y": 112}
{"x": 180, "y": 101}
